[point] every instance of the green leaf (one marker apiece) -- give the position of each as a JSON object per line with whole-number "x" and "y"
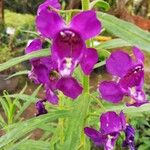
{"x": 78, "y": 73}
{"x": 102, "y": 63}
{"x": 24, "y": 88}
{"x": 24, "y": 97}
{"x": 127, "y": 110}
{"x": 17, "y": 60}
{"x": 33, "y": 145}
{"x": 4, "y": 106}
{"x": 100, "y": 4}
{"x": 75, "y": 124}
{"x": 2, "y": 121}
{"x": 115, "y": 43}
{"x": 126, "y": 31}
{"x": 25, "y": 72}
{"x": 21, "y": 129}
{"x": 17, "y": 145}
{"x": 16, "y": 101}
{"x": 28, "y": 101}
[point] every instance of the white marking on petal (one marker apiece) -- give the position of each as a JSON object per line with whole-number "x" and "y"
{"x": 62, "y": 34}
{"x": 109, "y": 143}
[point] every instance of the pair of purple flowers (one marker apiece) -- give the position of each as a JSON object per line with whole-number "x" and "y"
{"x": 129, "y": 80}
{"x": 112, "y": 125}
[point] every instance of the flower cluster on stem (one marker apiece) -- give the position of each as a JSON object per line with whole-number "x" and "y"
{"x": 70, "y": 48}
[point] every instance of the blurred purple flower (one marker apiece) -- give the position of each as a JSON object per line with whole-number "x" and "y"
{"x": 40, "y": 107}
{"x": 130, "y": 75}
{"x": 111, "y": 126}
{"x": 49, "y": 4}
{"x": 68, "y": 45}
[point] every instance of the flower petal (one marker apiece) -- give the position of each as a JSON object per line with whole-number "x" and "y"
{"x": 110, "y": 91}
{"x": 138, "y": 54}
{"x": 66, "y": 66}
{"x": 33, "y": 45}
{"x": 138, "y": 96}
{"x": 110, "y": 123}
{"x": 48, "y": 23}
{"x": 68, "y": 44}
{"x": 49, "y": 62}
{"x": 86, "y": 23}
{"x": 67, "y": 49}
{"x": 134, "y": 77}
{"x": 118, "y": 63}
{"x": 110, "y": 142}
{"x": 130, "y": 134}
{"x": 39, "y": 73}
{"x": 123, "y": 119}
{"x": 88, "y": 61}
{"x": 47, "y": 3}
{"x": 69, "y": 86}
{"x": 50, "y": 95}
{"x": 94, "y": 135}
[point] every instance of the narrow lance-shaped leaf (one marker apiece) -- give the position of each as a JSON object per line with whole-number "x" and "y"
{"x": 15, "y": 61}
{"x": 126, "y": 31}
{"x": 76, "y": 124}
{"x": 24, "y": 72}
{"x": 25, "y": 127}
{"x": 115, "y": 43}
{"x": 128, "y": 110}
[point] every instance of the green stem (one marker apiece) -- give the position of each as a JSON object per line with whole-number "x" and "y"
{"x": 85, "y": 4}
{"x": 98, "y": 101}
{"x": 86, "y": 84}
{"x": 70, "y": 11}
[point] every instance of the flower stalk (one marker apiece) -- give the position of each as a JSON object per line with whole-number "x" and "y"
{"x": 85, "y": 6}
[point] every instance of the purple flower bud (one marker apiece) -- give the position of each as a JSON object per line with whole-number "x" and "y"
{"x": 40, "y": 108}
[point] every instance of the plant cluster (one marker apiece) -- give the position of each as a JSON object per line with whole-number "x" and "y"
{"x": 64, "y": 68}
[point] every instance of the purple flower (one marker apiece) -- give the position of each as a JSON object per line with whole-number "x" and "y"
{"x": 49, "y": 4}
{"x": 40, "y": 108}
{"x": 129, "y": 141}
{"x": 41, "y": 67}
{"x": 44, "y": 71}
{"x": 130, "y": 79}
{"x": 68, "y": 45}
{"x": 68, "y": 41}
{"x": 41, "y": 70}
{"x": 111, "y": 126}
{"x": 69, "y": 86}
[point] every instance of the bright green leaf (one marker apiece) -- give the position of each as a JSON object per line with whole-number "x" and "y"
{"x": 17, "y": 60}
{"x": 24, "y": 72}
{"x": 126, "y": 31}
